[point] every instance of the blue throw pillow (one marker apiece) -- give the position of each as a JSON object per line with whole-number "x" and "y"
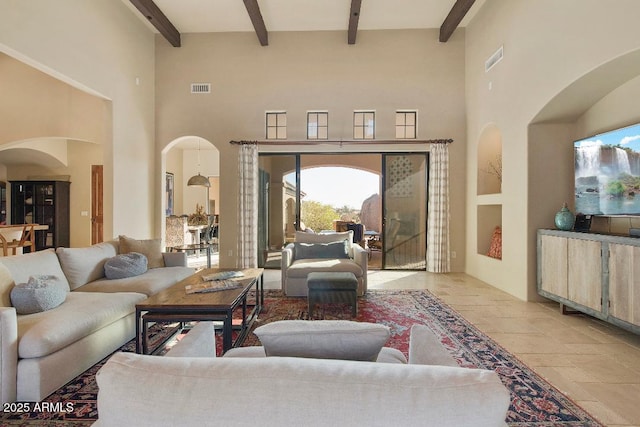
{"x": 40, "y": 293}
{"x": 125, "y": 265}
{"x": 322, "y": 250}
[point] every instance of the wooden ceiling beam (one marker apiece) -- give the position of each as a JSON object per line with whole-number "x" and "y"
{"x": 354, "y": 16}
{"x": 159, "y": 20}
{"x": 256, "y": 19}
{"x": 453, "y": 19}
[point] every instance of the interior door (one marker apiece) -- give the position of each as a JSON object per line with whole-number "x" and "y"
{"x": 97, "y": 213}
{"x": 404, "y": 199}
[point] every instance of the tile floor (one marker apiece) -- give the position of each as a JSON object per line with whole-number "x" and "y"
{"x": 594, "y": 363}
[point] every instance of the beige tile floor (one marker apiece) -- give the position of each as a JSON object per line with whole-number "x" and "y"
{"x": 594, "y": 363}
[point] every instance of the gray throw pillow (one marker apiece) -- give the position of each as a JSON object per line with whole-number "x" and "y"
{"x": 323, "y": 339}
{"x": 125, "y": 265}
{"x": 40, "y": 293}
{"x": 322, "y": 250}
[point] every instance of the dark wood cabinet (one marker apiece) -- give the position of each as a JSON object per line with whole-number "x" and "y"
{"x": 43, "y": 202}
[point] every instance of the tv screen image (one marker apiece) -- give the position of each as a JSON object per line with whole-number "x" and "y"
{"x": 607, "y": 173}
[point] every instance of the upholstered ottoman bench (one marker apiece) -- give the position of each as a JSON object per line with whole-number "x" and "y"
{"x": 332, "y": 287}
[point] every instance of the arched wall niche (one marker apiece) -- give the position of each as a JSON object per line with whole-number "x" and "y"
{"x": 490, "y": 160}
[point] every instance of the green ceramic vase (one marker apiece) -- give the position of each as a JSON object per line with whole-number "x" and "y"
{"x": 565, "y": 219}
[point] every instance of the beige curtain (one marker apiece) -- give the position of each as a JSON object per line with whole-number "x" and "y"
{"x": 247, "y": 251}
{"x": 438, "y": 260}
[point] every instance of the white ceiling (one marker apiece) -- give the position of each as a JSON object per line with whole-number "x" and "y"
{"x": 198, "y": 16}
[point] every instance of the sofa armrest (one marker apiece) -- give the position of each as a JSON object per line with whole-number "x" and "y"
{"x": 286, "y": 261}
{"x": 361, "y": 257}
{"x": 175, "y": 259}
{"x": 200, "y": 341}
{"x": 426, "y": 349}
{"x": 8, "y": 354}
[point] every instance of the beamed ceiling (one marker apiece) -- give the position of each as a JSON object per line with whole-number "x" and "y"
{"x": 172, "y": 18}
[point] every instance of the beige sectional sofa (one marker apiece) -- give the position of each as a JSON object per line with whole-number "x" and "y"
{"x": 314, "y": 252}
{"x": 194, "y": 388}
{"x": 40, "y": 352}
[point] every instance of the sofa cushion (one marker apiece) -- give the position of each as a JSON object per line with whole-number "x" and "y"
{"x": 6, "y": 284}
{"x": 301, "y": 268}
{"x": 321, "y": 250}
{"x": 33, "y": 264}
{"x": 125, "y": 265}
{"x": 40, "y": 293}
{"x": 323, "y": 339}
{"x": 149, "y": 283}
{"x": 386, "y": 355}
{"x": 302, "y": 237}
{"x": 293, "y": 392}
{"x": 80, "y": 315}
{"x": 151, "y": 248}
{"x": 84, "y": 265}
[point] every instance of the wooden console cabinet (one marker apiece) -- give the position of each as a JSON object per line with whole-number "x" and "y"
{"x": 596, "y": 274}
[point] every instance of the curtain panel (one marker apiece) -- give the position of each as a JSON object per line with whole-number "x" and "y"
{"x": 247, "y": 249}
{"x": 438, "y": 260}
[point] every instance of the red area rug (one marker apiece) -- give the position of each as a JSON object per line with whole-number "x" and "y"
{"x": 534, "y": 402}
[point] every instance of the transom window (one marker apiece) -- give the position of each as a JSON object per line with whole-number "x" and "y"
{"x": 406, "y": 124}
{"x": 364, "y": 124}
{"x": 276, "y": 124}
{"x": 317, "y": 125}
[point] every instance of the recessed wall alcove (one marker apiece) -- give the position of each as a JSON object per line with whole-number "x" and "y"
{"x": 489, "y": 186}
{"x": 490, "y": 161}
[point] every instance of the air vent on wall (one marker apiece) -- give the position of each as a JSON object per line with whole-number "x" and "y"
{"x": 493, "y": 59}
{"x": 200, "y": 87}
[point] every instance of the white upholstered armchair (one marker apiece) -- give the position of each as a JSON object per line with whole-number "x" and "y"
{"x": 321, "y": 252}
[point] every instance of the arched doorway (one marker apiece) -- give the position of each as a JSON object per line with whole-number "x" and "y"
{"x": 182, "y": 159}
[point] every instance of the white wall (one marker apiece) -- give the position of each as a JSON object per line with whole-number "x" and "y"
{"x": 99, "y": 45}
{"x": 301, "y": 71}
{"x": 548, "y": 46}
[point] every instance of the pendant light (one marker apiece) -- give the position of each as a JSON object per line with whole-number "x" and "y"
{"x": 199, "y": 180}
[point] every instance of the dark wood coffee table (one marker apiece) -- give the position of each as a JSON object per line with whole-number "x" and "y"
{"x": 175, "y": 305}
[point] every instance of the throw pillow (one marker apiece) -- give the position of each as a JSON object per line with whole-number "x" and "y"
{"x": 321, "y": 250}
{"x": 150, "y": 248}
{"x": 84, "y": 265}
{"x": 40, "y": 293}
{"x": 6, "y": 284}
{"x": 323, "y": 339}
{"x": 125, "y": 265}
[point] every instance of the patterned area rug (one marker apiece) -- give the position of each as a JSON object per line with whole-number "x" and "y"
{"x": 534, "y": 401}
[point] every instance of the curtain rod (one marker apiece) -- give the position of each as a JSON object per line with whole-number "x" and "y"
{"x": 345, "y": 142}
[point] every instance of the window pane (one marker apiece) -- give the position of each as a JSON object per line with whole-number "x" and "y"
{"x": 358, "y": 119}
{"x": 400, "y": 119}
{"x": 271, "y": 119}
{"x": 399, "y": 132}
{"x": 322, "y": 133}
{"x": 312, "y": 131}
{"x": 282, "y": 133}
{"x": 282, "y": 119}
{"x": 411, "y": 119}
{"x": 323, "y": 119}
{"x": 271, "y": 133}
{"x": 358, "y": 133}
{"x": 411, "y": 132}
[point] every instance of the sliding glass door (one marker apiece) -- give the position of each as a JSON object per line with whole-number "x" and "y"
{"x": 404, "y": 240}
{"x": 386, "y": 193}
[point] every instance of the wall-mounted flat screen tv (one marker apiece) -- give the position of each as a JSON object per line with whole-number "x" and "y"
{"x": 607, "y": 173}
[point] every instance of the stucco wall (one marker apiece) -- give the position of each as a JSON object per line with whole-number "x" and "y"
{"x": 548, "y": 47}
{"x": 300, "y": 71}
{"x": 99, "y": 46}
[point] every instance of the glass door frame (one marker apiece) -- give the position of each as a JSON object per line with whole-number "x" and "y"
{"x": 385, "y": 224}
{"x": 383, "y": 182}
